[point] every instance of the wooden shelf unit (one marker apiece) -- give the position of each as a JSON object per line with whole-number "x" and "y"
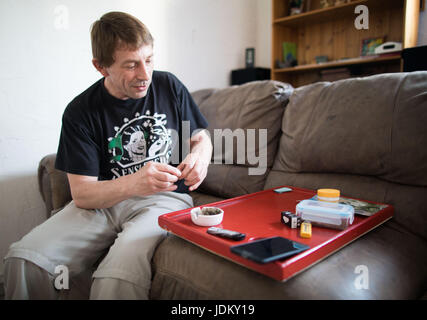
{"x": 343, "y": 63}
{"x": 331, "y": 32}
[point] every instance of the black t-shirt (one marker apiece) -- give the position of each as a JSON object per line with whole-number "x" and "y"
{"x": 107, "y": 137}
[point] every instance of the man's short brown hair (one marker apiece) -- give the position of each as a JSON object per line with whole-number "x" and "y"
{"x": 117, "y": 30}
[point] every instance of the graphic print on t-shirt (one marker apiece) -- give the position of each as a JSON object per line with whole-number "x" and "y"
{"x": 142, "y": 139}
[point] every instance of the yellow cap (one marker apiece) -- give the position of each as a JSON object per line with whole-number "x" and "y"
{"x": 328, "y": 193}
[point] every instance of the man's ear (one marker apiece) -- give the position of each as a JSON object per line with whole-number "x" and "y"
{"x": 100, "y": 68}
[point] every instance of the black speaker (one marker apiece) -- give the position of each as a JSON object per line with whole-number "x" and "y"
{"x": 414, "y": 59}
{"x": 241, "y": 76}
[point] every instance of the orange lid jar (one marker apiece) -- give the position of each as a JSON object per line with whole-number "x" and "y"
{"x": 328, "y": 195}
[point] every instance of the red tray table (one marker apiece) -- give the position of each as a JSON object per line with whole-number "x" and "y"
{"x": 258, "y": 216}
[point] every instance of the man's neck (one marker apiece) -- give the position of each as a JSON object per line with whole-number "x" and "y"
{"x": 111, "y": 90}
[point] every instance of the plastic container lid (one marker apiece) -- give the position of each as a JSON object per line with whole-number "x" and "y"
{"x": 328, "y": 193}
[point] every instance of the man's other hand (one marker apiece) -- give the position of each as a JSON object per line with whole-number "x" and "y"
{"x": 195, "y": 165}
{"x": 194, "y": 170}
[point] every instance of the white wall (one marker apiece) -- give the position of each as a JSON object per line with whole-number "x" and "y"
{"x": 45, "y": 62}
{"x": 422, "y": 29}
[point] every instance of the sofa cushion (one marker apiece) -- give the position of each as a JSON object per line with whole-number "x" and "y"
{"x": 200, "y": 95}
{"x": 256, "y": 105}
{"x": 408, "y": 163}
{"x": 396, "y": 263}
{"x": 364, "y": 126}
{"x": 228, "y": 181}
{"x": 203, "y": 198}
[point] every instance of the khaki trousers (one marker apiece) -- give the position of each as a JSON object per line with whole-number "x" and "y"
{"x": 114, "y": 246}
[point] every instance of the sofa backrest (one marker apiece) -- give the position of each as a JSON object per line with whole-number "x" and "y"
{"x": 245, "y": 111}
{"x": 365, "y": 136}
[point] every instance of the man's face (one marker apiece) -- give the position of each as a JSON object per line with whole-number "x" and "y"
{"x": 130, "y": 74}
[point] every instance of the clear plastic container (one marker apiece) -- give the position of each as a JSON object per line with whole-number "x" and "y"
{"x": 323, "y": 214}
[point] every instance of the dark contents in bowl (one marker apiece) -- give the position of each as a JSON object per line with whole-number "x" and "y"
{"x": 210, "y": 211}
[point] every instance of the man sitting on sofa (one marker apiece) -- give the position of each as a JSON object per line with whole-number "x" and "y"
{"x": 116, "y": 146}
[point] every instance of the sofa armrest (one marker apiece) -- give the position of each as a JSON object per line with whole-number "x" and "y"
{"x": 53, "y": 185}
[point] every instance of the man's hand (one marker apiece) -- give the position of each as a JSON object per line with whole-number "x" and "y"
{"x": 89, "y": 193}
{"x": 194, "y": 167}
{"x": 194, "y": 171}
{"x": 155, "y": 177}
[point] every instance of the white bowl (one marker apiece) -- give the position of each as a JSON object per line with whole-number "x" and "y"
{"x": 199, "y": 216}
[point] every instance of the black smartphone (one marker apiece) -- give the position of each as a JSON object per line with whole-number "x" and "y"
{"x": 269, "y": 249}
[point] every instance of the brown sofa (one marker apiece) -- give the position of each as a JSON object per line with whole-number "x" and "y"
{"x": 364, "y": 136}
